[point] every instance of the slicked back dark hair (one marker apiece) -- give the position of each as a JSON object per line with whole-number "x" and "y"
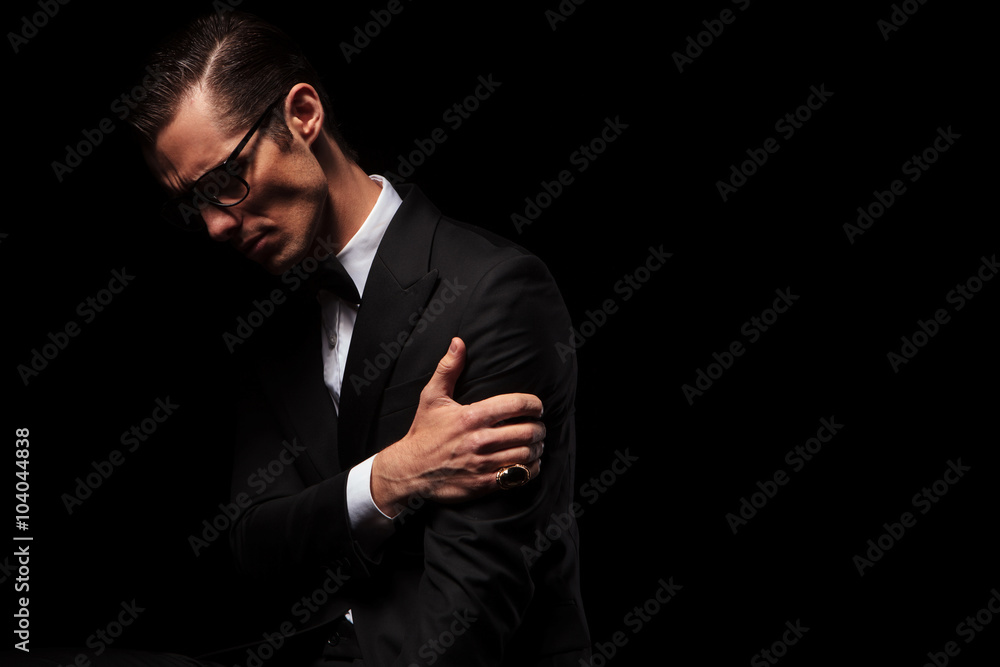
{"x": 244, "y": 64}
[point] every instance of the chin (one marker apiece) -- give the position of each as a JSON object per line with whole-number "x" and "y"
{"x": 283, "y": 260}
{"x": 276, "y": 266}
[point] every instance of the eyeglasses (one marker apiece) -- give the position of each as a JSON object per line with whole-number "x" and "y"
{"x": 221, "y": 186}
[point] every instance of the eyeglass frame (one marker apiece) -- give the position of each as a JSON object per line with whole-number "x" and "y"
{"x": 191, "y": 193}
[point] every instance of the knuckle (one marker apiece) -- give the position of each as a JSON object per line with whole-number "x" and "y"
{"x": 536, "y": 433}
{"x": 487, "y": 483}
{"x": 468, "y": 418}
{"x": 476, "y": 442}
{"x": 426, "y": 393}
{"x": 524, "y": 435}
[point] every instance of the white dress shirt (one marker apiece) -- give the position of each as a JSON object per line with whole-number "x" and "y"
{"x": 369, "y": 525}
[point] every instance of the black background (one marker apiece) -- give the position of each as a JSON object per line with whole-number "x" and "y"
{"x": 655, "y": 185}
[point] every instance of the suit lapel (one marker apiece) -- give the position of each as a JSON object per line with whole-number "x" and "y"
{"x": 399, "y": 285}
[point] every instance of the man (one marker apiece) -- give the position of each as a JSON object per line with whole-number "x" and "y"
{"x": 405, "y": 499}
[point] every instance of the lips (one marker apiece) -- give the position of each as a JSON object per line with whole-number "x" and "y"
{"x": 253, "y": 246}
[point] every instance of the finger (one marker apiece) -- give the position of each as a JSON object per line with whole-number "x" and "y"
{"x": 534, "y": 469}
{"x": 526, "y": 455}
{"x": 506, "y": 407}
{"x": 442, "y": 383}
{"x": 535, "y": 451}
{"x": 513, "y": 436}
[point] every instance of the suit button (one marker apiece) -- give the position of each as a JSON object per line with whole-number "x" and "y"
{"x": 334, "y": 640}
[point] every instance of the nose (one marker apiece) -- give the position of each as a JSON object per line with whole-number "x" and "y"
{"x": 222, "y": 223}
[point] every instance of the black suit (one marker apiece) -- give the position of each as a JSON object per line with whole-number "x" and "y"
{"x": 467, "y": 584}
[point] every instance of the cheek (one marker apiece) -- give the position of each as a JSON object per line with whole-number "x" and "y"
{"x": 288, "y": 193}
{"x": 293, "y": 215}
{"x": 291, "y": 198}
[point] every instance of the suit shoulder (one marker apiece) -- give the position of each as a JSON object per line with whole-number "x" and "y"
{"x": 475, "y": 243}
{"x": 473, "y": 253}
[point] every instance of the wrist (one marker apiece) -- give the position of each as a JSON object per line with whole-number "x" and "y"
{"x": 389, "y": 488}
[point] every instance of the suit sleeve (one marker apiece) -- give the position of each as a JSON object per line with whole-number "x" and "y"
{"x": 479, "y": 563}
{"x": 285, "y": 525}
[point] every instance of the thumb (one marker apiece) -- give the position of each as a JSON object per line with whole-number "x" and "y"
{"x": 442, "y": 383}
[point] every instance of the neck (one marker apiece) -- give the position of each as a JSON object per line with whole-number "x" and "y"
{"x": 352, "y": 195}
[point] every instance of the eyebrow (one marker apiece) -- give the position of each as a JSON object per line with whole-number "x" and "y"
{"x": 187, "y": 185}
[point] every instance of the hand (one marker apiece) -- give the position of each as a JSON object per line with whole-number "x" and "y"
{"x": 452, "y": 452}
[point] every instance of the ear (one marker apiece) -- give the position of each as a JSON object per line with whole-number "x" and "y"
{"x": 304, "y": 112}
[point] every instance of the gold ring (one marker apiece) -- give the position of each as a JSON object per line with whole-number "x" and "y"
{"x": 509, "y": 477}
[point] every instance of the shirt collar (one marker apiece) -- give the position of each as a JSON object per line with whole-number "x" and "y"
{"x": 359, "y": 253}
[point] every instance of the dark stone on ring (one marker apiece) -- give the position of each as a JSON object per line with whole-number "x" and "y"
{"x": 510, "y": 477}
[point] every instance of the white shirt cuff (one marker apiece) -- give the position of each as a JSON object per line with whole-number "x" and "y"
{"x": 369, "y": 525}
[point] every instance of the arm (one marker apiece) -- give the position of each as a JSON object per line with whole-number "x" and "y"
{"x": 450, "y": 454}
{"x": 465, "y": 438}
{"x": 289, "y": 525}
{"x": 474, "y": 562}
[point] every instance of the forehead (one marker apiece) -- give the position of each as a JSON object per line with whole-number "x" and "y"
{"x": 189, "y": 145}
